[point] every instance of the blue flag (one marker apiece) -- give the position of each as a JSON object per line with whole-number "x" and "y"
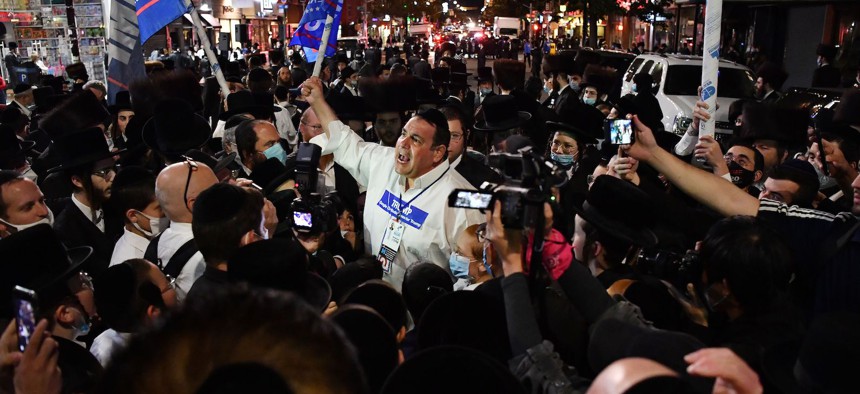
{"x": 124, "y": 49}
{"x": 153, "y": 15}
{"x": 310, "y": 31}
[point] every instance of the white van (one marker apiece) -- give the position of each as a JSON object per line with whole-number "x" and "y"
{"x": 676, "y": 81}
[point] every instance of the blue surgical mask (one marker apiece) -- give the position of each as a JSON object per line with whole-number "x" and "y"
{"x": 562, "y": 160}
{"x": 574, "y": 85}
{"x": 589, "y": 100}
{"x": 487, "y": 263}
{"x": 486, "y": 91}
{"x": 634, "y": 88}
{"x": 277, "y": 151}
{"x": 459, "y": 266}
{"x": 546, "y": 89}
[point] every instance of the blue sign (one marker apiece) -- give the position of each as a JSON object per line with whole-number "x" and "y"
{"x": 396, "y": 207}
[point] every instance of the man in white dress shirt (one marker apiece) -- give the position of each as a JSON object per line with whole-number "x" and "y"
{"x": 176, "y": 189}
{"x": 407, "y": 218}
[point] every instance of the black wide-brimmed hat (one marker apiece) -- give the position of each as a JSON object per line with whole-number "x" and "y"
{"x": 12, "y": 150}
{"x": 619, "y": 209}
{"x": 175, "y": 128}
{"x": 348, "y": 107}
{"x": 390, "y": 95}
{"x": 279, "y": 264}
{"x": 426, "y": 93}
{"x": 81, "y": 147}
{"x": 440, "y": 370}
{"x": 122, "y": 102}
{"x": 500, "y": 114}
{"x": 374, "y": 340}
{"x": 459, "y": 80}
{"x": 36, "y": 259}
{"x": 485, "y": 74}
{"x": 581, "y": 122}
{"x": 440, "y": 76}
{"x": 244, "y": 101}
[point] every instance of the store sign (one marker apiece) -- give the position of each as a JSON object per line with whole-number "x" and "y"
{"x": 267, "y": 5}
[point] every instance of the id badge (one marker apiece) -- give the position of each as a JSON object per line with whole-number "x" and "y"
{"x": 390, "y": 244}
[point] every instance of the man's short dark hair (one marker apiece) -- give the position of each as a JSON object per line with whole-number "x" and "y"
{"x": 758, "y": 158}
{"x": 807, "y": 183}
{"x": 751, "y": 257}
{"x": 615, "y": 250}
{"x": 452, "y": 113}
{"x": 7, "y": 177}
{"x": 132, "y": 188}
{"x": 282, "y": 92}
{"x": 125, "y": 294}
{"x": 442, "y": 136}
{"x": 224, "y": 213}
{"x": 849, "y": 148}
{"x": 246, "y": 137}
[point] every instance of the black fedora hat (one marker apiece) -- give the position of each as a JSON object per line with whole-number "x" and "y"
{"x": 619, "y": 209}
{"x": 459, "y": 68}
{"x": 374, "y": 340}
{"x": 427, "y": 93}
{"x": 348, "y": 107}
{"x": 440, "y": 370}
{"x": 175, "y": 128}
{"x": 12, "y": 150}
{"x": 244, "y": 101}
{"x": 582, "y": 123}
{"x": 271, "y": 174}
{"x": 459, "y": 80}
{"x": 122, "y": 102}
{"x": 81, "y": 147}
{"x": 36, "y": 259}
{"x": 440, "y": 76}
{"x": 485, "y": 74}
{"x": 279, "y": 264}
{"x": 500, "y": 114}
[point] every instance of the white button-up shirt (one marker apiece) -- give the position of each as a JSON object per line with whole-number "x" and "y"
{"x": 434, "y": 226}
{"x": 129, "y": 246}
{"x": 88, "y": 213}
{"x": 171, "y": 240}
{"x": 108, "y": 343}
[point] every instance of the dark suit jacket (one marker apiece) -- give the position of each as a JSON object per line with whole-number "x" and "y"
{"x": 564, "y": 96}
{"x": 772, "y": 98}
{"x": 826, "y": 76}
{"x": 550, "y": 100}
{"x": 476, "y": 172}
{"x": 74, "y": 229}
{"x": 346, "y": 186}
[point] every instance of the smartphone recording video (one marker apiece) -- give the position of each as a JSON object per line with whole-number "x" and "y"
{"x": 472, "y": 199}
{"x": 25, "y": 315}
{"x": 619, "y": 131}
{"x": 303, "y": 219}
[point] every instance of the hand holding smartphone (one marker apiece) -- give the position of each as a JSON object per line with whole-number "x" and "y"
{"x": 619, "y": 131}
{"x": 25, "y": 315}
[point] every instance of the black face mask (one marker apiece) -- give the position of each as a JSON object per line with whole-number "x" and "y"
{"x": 741, "y": 177}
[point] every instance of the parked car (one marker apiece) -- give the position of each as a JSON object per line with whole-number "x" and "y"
{"x": 676, "y": 81}
{"x": 811, "y": 99}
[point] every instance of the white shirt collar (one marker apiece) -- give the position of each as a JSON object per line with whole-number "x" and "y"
{"x": 455, "y": 97}
{"x": 563, "y": 88}
{"x": 457, "y": 161}
{"x": 23, "y": 108}
{"x": 177, "y": 227}
{"x": 88, "y": 213}
{"x": 136, "y": 241}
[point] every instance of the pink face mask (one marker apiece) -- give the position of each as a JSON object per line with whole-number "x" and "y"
{"x": 557, "y": 253}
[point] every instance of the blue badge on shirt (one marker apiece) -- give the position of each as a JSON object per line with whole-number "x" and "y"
{"x": 410, "y": 215}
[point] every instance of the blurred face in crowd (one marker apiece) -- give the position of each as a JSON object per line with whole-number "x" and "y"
{"x": 153, "y": 210}
{"x": 781, "y": 190}
{"x": 122, "y": 120}
{"x": 836, "y": 162}
{"x": 742, "y": 155}
{"x": 856, "y": 186}
{"x": 589, "y": 93}
{"x": 102, "y": 177}
{"x": 760, "y": 87}
{"x": 415, "y": 154}
{"x": 284, "y": 76}
{"x": 24, "y": 202}
{"x": 346, "y": 221}
{"x": 563, "y": 144}
{"x": 388, "y": 127}
{"x": 768, "y": 149}
{"x": 310, "y": 126}
{"x": 458, "y": 140}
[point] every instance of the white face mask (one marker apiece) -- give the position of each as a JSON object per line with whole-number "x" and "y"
{"x": 14, "y": 228}
{"x": 156, "y": 225}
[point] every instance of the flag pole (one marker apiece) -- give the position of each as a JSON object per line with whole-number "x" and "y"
{"x": 213, "y": 60}
{"x": 329, "y": 20}
{"x": 710, "y": 66}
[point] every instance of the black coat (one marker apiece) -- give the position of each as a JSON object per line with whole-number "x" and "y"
{"x": 648, "y": 109}
{"x": 564, "y": 100}
{"x": 74, "y": 229}
{"x": 476, "y": 172}
{"x": 421, "y": 69}
{"x": 80, "y": 369}
{"x": 826, "y": 76}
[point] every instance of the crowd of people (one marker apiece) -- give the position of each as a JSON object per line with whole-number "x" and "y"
{"x": 299, "y": 234}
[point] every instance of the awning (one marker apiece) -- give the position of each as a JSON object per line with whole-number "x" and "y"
{"x": 211, "y": 20}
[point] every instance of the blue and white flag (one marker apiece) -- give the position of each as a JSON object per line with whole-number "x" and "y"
{"x": 310, "y": 31}
{"x": 153, "y": 15}
{"x": 124, "y": 50}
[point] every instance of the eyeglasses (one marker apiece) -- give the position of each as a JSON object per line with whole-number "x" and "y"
{"x": 192, "y": 166}
{"x": 457, "y": 137}
{"x": 565, "y": 148}
{"x": 104, "y": 173}
{"x": 171, "y": 284}
{"x": 316, "y": 127}
{"x": 481, "y": 234}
